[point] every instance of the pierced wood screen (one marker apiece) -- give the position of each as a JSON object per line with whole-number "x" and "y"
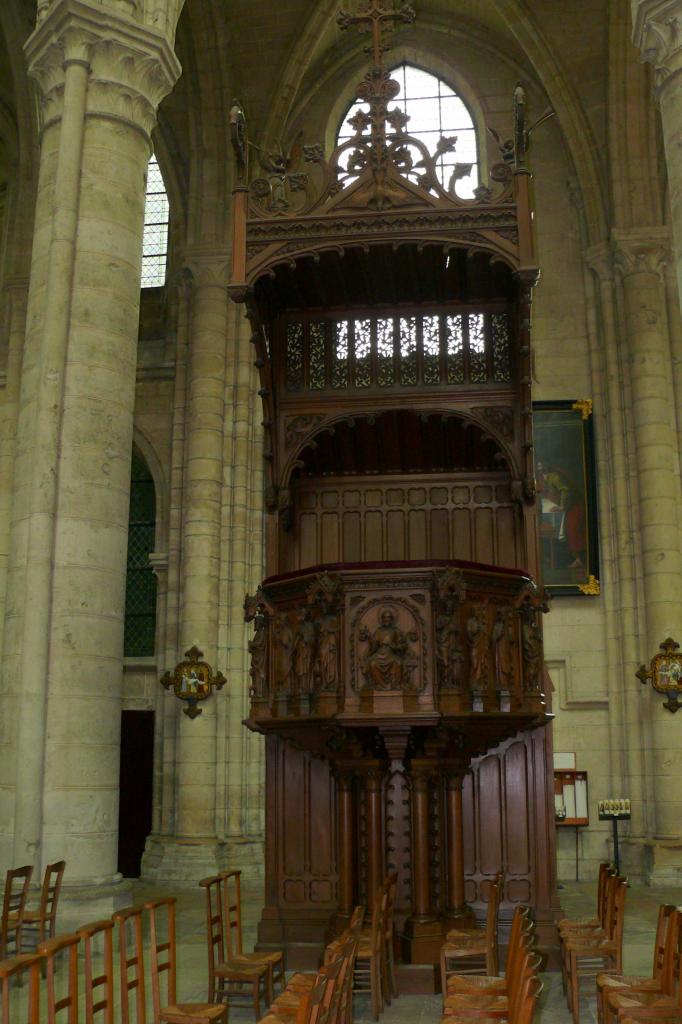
{"x": 412, "y": 350}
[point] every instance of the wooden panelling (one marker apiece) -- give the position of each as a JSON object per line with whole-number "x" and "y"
{"x": 362, "y": 519}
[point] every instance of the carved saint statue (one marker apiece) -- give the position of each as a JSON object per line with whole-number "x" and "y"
{"x": 502, "y": 640}
{"x": 531, "y": 645}
{"x": 478, "y": 647}
{"x": 448, "y": 650}
{"x": 258, "y": 652}
{"x": 328, "y": 656}
{"x": 304, "y": 652}
{"x": 285, "y": 651}
{"x": 385, "y": 665}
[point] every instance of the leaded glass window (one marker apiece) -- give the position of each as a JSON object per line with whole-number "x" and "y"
{"x": 140, "y": 606}
{"x": 434, "y": 109}
{"x": 155, "y": 236}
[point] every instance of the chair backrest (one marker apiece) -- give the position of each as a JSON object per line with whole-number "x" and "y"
{"x": 670, "y": 978}
{"x": 17, "y": 881}
{"x": 617, "y": 918}
{"x": 215, "y": 932}
{"x": 606, "y": 872}
{"x": 131, "y": 962}
{"x": 520, "y": 935}
{"x": 523, "y": 1011}
{"x": 343, "y": 993}
{"x": 49, "y": 897}
{"x": 97, "y": 1001}
{"x": 232, "y": 904}
{"x": 322, "y": 995}
{"x": 378, "y": 918}
{"x": 69, "y": 1002}
{"x": 160, "y": 945}
{"x": 665, "y": 917}
{"x": 357, "y": 919}
{"x": 14, "y": 968}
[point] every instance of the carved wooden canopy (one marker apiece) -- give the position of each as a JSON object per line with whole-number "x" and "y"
{"x": 378, "y": 187}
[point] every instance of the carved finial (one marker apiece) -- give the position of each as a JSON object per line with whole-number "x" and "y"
{"x": 239, "y": 139}
{"x": 372, "y": 19}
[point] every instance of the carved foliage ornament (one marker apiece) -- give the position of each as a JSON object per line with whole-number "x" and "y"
{"x": 665, "y": 674}
{"x": 193, "y": 680}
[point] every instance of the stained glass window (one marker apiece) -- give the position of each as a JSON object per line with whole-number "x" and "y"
{"x": 155, "y": 237}
{"x": 434, "y": 109}
{"x": 140, "y": 606}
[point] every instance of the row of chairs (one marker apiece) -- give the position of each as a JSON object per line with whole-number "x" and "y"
{"x": 657, "y": 997}
{"x": 594, "y": 945}
{"x": 95, "y": 941}
{"x": 474, "y": 951}
{"x": 18, "y": 921}
{"x": 231, "y": 971}
{"x": 511, "y": 998}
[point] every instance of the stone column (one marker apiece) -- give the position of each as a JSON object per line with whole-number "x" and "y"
{"x": 640, "y": 257}
{"x": 657, "y": 31}
{"x": 102, "y": 76}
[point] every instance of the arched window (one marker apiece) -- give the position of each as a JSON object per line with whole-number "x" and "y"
{"x": 155, "y": 237}
{"x": 434, "y": 109}
{"x": 140, "y": 607}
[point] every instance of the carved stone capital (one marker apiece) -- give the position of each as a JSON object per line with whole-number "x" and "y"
{"x": 208, "y": 267}
{"x": 599, "y": 258}
{"x": 657, "y": 31}
{"x": 160, "y": 14}
{"x": 131, "y": 65}
{"x": 641, "y": 252}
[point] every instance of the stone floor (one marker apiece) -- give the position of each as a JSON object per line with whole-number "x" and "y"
{"x": 577, "y": 899}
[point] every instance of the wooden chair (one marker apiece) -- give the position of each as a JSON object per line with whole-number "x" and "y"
{"x": 90, "y": 936}
{"x": 476, "y": 950}
{"x": 648, "y": 1005}
{"x": 568, "y": 924}
{"x": 225, "y": 978}
{"x": 43, "y": 919}
{"x": 50, "y": 950}
{"x": 370, "y": 956}
{"x": 661, "y": 979}
{"x": 127, "y": 919}
{"x": 274, "y": 961}
{"x": 173, "y": 1012}
{"x": 494, "y": 1004}
{"x": 520, "y": 938}
{"x": 586, "y": 954}
{"x": 15, "y": 969}
{"x": 17, "y": 881}
{"x": 521, "y": 1011}
{"x": 390, "y": 988}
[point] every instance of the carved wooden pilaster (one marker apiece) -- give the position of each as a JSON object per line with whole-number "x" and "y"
{"x": 374, "y": 779}
{"x": 346, "y": 850}
{"x": 456, "y": 908}
{"x": 421, "y": 876}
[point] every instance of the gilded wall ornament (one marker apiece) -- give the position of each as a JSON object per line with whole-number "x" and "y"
{"x": 193, "y": 680}
{"x": 665, "y": 674}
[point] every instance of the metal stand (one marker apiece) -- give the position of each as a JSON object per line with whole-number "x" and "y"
{"x": 616, "y": 858}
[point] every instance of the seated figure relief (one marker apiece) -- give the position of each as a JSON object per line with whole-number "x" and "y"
{"x": 387, "y": 663}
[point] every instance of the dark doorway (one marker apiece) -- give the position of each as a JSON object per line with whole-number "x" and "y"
{"x": 135, "y": 789}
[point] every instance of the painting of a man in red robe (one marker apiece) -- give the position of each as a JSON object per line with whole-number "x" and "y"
{"x": 562, "y": 510}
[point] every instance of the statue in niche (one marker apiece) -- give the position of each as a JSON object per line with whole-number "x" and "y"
{"x": 531, "y": 646}
{"x": 478, "y": 647}
{"x": 304, "y": 652}
{"x": 449, "y": 652}
{"x": 285, "y": 651}
{"x": 328, "y": 654}
{"x": 258, "y": 652}
{"x": 385, "y": 663}
{"x": 502, "y": 639}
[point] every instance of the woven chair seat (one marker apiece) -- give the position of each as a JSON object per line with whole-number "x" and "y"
{"x": 300, "y": 982}
{"x": 632, "y": 981}
{"x": 476, "y": 982}
{"x": 240, "y": 969}
{"x": 467, "y": 945}
{"x": 200, "y": 1011}
{"x": 462, "y": 1002}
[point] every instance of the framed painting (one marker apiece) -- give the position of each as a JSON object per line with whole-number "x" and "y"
{"x": 567, "y": 498}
